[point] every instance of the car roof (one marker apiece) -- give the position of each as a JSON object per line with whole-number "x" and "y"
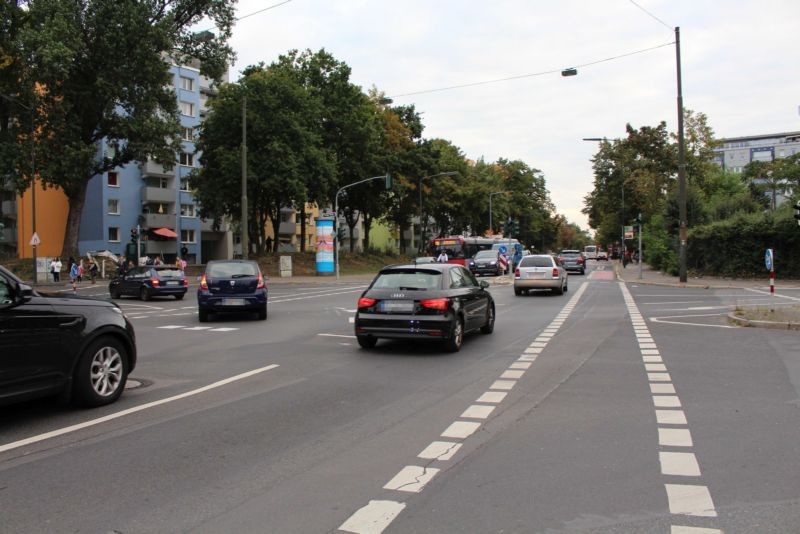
{"x": 570, "y": 251}
{"x": 418, "y": 267}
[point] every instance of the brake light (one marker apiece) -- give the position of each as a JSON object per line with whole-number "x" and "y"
{"x": 154, "y": 282}
{"x": 555, "y": 272}
{"x": 516, "y": 272}
{"x": 260, "y": 281}
{"x": 366, "y": 302}
{"x": 435, "y": 304}
{"x": 580, "y": 260}
{"x": 186, "y": 282}
{"x": 204, "y": 283}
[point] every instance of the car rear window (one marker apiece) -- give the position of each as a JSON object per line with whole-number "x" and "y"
{"x": 486, "y": 254}
{"x": 420, "y": 280}
{"x": 536, "y": 261}
{"x": 169, "y": 273}
{"x": 231, "y": 270}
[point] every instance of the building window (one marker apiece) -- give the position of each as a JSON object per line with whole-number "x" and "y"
{"x": 187, "y": 108}
{"x": 187, "y": 83}
{"x": 113, "y": 234}
{"x": 113, "y": 206}
{"x": 187, "y": 236}
{"x": 188, "y": 210}
{"x": 188, "y": 134}
{"x": 185, "y": 184}
{"x": 187, "y": 159}
{"x": 113, "y": 179}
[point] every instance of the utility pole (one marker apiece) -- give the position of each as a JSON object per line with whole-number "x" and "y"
{"x": 682, "y": 223}
{"x": 244, "y": 236}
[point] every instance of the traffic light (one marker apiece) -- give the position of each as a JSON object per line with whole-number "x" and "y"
{"x": 134, "y": 234}
{"x": 797, "y": 211}
{"x": 2, "y": 234}
{"x": 515, "y": 227}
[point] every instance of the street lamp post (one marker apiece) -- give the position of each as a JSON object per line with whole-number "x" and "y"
{"x": 33, "y": 179}
{"x": 422, "y": 227}
{"x": 336, "y": 214}
{"x": 491, "y": 228}
{"x": 682, "y": 223}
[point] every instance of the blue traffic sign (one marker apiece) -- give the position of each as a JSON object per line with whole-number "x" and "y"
{"x": 768, "y": 260}
{"x": 502, "y": 249}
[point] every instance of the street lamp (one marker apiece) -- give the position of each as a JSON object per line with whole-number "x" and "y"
{"x": 422, "y": 227}
{"x": 33, "y": 179}
{"x": 491, "y": 229}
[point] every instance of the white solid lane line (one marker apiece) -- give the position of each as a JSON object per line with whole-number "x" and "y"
{"x": 123, "y": 413}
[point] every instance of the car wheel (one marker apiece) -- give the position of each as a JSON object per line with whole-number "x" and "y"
{"x": 583, "y": 271}
{"x": 517, "y": 292}
{"x": 366, "y": 342}
{"x": 101, "y": 372}
{"x": 488, "y": 328}
{"x": 456, "y": 337}
{"x": 558, "y": 290}
{"x": 179, "y": 297}
{"x": 262, "y": 314}
{"x": 144, "y": 294}
{"x": 115, "y": 294}
{"x": 202, "y": 315}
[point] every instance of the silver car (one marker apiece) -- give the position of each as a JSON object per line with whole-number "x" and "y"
{"x": 540, "y": 271}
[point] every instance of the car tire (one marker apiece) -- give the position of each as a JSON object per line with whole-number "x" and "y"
{"x": 453, "y": 344}
{"x": 179, "y": 297}
{"x": 558, "y": 290}
{"x": 488, "y": 328}
{"x": 262, "y": 314}
{"x": 101, "y": 372}
{"x": 583, "y": 271}
{"x": 202, "y": 315}
{"x": 517, "y": 292}
{"x": 114, "y": 293}
{"x": 366, "y": 342}
{"x": 145, "y": 294}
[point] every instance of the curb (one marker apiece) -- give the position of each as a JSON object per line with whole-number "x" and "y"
{"x": 774, "y": 325}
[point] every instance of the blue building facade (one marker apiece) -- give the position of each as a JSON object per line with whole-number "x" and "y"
{"x": 157, "y": 202}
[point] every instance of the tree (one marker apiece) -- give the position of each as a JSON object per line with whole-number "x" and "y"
{"x": 96, "y": 70}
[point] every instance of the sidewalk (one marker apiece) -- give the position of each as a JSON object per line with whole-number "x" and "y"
{"x": 630, "y": 274}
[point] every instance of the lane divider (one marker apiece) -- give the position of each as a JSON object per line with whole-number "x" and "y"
{"x": 674, "y": 438}
{"x": 377, "y": 515}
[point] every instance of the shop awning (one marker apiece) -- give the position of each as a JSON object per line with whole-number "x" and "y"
{"x": 165, "y": 232}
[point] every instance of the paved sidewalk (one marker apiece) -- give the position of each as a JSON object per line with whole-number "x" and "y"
{"x": 650, "y": 276}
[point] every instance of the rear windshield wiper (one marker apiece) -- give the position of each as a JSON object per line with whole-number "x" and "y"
{"x": 241, "y": 275}
{"x": 404, "y": 288}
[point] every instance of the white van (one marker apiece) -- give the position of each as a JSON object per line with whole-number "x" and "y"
{"x": 590, "y": 252}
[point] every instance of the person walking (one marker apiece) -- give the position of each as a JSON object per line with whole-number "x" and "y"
{"x": 74, "y": 273}
{"x": 442, "y": 258}
{"x": 93, "y": 270}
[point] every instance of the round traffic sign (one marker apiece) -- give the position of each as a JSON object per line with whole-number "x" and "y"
{"x": 768, "y": 259}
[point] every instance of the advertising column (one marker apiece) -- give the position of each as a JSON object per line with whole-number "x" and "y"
{"x": 325, "y": 263}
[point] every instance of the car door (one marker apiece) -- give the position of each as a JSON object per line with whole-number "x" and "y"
{"x": 468, "y": 299}
{"x": 31, "y": 350}
{"x": 479, "y": 300}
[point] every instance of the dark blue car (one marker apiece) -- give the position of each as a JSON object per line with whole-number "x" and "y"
{"x": 232, "y": 286}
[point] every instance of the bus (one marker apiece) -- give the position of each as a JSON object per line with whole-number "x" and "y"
{"x": 590, "y": 252}
{"x": 460, "y": 249}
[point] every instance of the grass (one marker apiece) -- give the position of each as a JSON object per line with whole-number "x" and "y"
{"x": 781, "y": 314}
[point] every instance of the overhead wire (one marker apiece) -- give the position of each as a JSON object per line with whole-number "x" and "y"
{"x": 651, "y": 15}
{"x": 530, "y": 75}
{"x": 273, "y": 6}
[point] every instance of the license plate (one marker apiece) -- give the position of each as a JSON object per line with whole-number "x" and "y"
{"x": 397, "y": 306}
{"x": 536, "y": 275}
{"x": 173, "y": 283}
{"x": 233, "y": 302}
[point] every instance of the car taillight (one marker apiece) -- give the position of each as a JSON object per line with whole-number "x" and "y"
{"x": 555, "y": 272}
{"x": 366, "y": 302}
{"x": 435, "y": 304}
{"x": 186, "y": 282}
{"x": 154, "y": 282}
{"x": 580, "y": 260}
{"x": 204, "y": 283}
{"x": 516, "y": 272}
{"x": 260, "y": 281}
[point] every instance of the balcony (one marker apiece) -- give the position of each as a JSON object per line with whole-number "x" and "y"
{"x": 159, "y": 220}
{"x": 9, "y": 236}
{"x": 207, "y": 225}
{"x": 9, "y": 208}
{"x": 151, "y": 168}
{"x": 287, "y": 228}
{"x": 158, "y": 194}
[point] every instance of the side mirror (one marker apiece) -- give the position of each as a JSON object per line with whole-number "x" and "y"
{"x": 24, "y": 293}
{"x": 484, "y": 284}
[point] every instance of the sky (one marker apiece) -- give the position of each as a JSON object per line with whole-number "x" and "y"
{"x": 736, "y": 55}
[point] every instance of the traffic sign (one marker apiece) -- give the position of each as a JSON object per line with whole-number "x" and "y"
{"x": 35, "y": 241}
{"x": 769, "y": 260}
{"x": 502, "y": 249}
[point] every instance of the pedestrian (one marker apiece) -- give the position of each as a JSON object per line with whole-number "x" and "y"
{"x": 81, "y": 270}
{"x": 73, "y": 275}
{"x": 53, "y": 269}
{"x": 57, "y": 270}
{"x": 626, "y": 258}
{"x": 157, "y": 261}
{"x": 93, "y": 270}
{"x": 121, "y": 266}
{"x": 442, "y": 258}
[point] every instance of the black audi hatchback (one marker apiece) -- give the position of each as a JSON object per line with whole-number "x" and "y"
{"x": 78, "y": 347}
{"x": 150, "y": 281}
{"x": 425, "y": 302}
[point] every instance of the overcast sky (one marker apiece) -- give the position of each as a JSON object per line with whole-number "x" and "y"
{"x": 739, "y": 66}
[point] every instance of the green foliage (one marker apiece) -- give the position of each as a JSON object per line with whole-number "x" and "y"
{"x": 660, "y": 245}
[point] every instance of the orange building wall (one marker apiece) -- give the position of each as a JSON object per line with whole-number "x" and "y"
{"x": 52, "y": 208}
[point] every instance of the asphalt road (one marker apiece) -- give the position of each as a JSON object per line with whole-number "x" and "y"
{"x": 612, "y": 408}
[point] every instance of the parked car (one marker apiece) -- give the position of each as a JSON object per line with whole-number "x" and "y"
{"x": 232, "y": 286}
{"x": 486, "y": 262}
{"x": 424, "y": 302}
{"x": 540, "y": 271}
{"x": 80, "y": 348}
{"x": 150, "y": 281}
{"x": 572, "y": 260}
{"x": 602, "y": 255}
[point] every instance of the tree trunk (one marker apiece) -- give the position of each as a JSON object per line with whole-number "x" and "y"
{"x": 276, "y": 221}
{"x": 367, "y": 226}
{"x": 303, "y": 228}
{"x": 76, "y": 204}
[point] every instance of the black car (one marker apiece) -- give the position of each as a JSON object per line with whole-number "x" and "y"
{"x": 487, "y": 262}
{"x": 78, "y": 347}
{"x": 572, "y": 260}
{"x": 427, "y": 302}
{"x": 150, "y": 281}
{"x": 232, "y": 286}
